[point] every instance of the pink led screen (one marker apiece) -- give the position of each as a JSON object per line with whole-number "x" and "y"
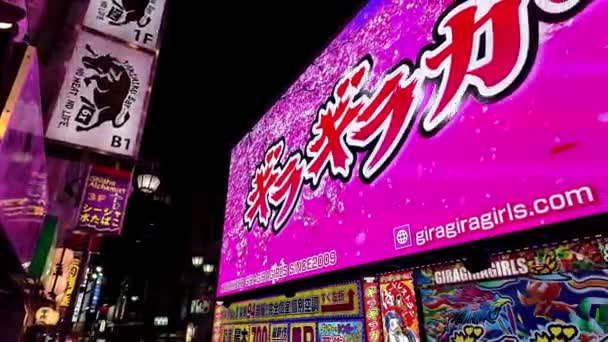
{"x": 423, "y": 125}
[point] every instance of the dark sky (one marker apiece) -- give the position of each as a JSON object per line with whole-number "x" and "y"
{"x": 222, "y": 65}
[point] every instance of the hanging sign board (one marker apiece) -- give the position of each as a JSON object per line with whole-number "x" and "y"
{"x": 101, "y": 104}
{"x": 136, "y": 22}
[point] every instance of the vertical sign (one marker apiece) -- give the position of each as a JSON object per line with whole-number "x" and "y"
{"x": 134, "y": 21}
{"x": 303, "y": 332}
{"x": 399, "y": 311}
{"x": 72, "y": 276}
{"x": 216, "y": 334}
{"x": 371, "y": 304}
{"x": 101, "y": 104}
{"x": 105, "y": 199}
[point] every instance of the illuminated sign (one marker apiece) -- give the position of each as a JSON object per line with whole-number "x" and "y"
{"x": 338, "y": 300}
{"x": 161, "y": 321}
{"x": 423, "y": 125}
{"x": 72, "y": 276}
{"x": 105, "y": 199}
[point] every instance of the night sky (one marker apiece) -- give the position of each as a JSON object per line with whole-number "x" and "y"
{"x": 221, "y": 67}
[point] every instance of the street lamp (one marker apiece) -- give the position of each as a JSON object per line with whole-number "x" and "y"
{"x": 197, "y": 261}
{"x": 148, "y": 182}
{"x": 208, "y": 268}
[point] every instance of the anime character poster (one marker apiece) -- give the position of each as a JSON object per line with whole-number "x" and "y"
{"x": 399, "y": 311}
{"x": 564, "y": 297}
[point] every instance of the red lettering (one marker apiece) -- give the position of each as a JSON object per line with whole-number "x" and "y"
{"x": 266, "y": 174}
{"x": 286, "y": 190}
{"x": 484, "y": 46}
{"x": 386, "y": 118}
{"x": 327, "y": 148}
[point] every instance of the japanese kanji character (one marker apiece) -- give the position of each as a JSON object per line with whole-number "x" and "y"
{"x": 104, "y": 4}
{"x": 286, "y": 189}
{"x": 386, "y": 119}
{"x": 94, "y": 219}
{"x": 315, "y": 304}
{"x": 107, "y": 217}
{"x": 483, "y": 45}
{"x": 266, "y": 173}
{"x": 327, "y": 148}
{"x": 84, "y": 218}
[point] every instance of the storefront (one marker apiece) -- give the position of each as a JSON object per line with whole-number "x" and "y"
{"x": 427, "y": 134}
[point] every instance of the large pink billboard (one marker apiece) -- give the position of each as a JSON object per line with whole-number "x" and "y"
{"x": 424, "y": 124}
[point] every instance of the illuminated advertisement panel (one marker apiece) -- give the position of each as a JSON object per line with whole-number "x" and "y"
{"x": 423, "y": 125}
{"x": 561, "y": 296}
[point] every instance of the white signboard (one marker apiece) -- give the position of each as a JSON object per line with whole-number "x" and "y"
{"x": 135, "y": 21}
{"x": 101, "y": 101}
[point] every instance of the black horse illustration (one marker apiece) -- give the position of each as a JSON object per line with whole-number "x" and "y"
{"x": 112, "y": 85}
{"x": 135, "y": 12}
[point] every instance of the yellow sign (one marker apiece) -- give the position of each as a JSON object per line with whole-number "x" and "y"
{"x": 259, "y": 332}
{"x": 338, "y": 300}
{"x": 72, "y": 277}
{"x": 235, "y": 333}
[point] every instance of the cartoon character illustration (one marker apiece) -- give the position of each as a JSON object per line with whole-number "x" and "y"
{"x": 112, "y": 86}
{"x": 448, "y": 310}
{"x": 396, "y": 331}
{"x": 543, "y": 296}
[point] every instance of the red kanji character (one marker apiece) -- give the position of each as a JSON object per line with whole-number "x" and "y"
{"x": 386, "y": 119}
{"x": 286, "y": 189}
{"x": 327, "y": 148}
{"x": 485, "y": 46}
{"x": 266, "y": 174}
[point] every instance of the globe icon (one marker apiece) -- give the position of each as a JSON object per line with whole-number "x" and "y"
{"x": 402, "y": 237}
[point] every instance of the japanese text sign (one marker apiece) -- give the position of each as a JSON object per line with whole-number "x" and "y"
{"x": 71, "y": 284}
{"x": 136, "y": 22}
{"x": 101, "y": 104}
{"x": 105, "y": 199}
{"x": 373, "y": 317}
{"x": 424, "y": 124}
{"x": 332, "y": 301}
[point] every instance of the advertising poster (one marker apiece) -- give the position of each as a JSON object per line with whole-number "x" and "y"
{"x": 279, "y": 333}
{"x": 565, "y": 257}
{"x": 343, "y": 331}
{"x": 135, "y": 21}
{"x": 333, "y": 301}
{"x": 558, "y": 307}
{"x": 424, "y": 124}
{"x": 371, "y": 306}
{"x": 303, "y": 332}
{"x": 564, "y": 297}
{"x": 102, "y": 102}
{"x": 105, "y": 200}
{"x": 399, "y": 310}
